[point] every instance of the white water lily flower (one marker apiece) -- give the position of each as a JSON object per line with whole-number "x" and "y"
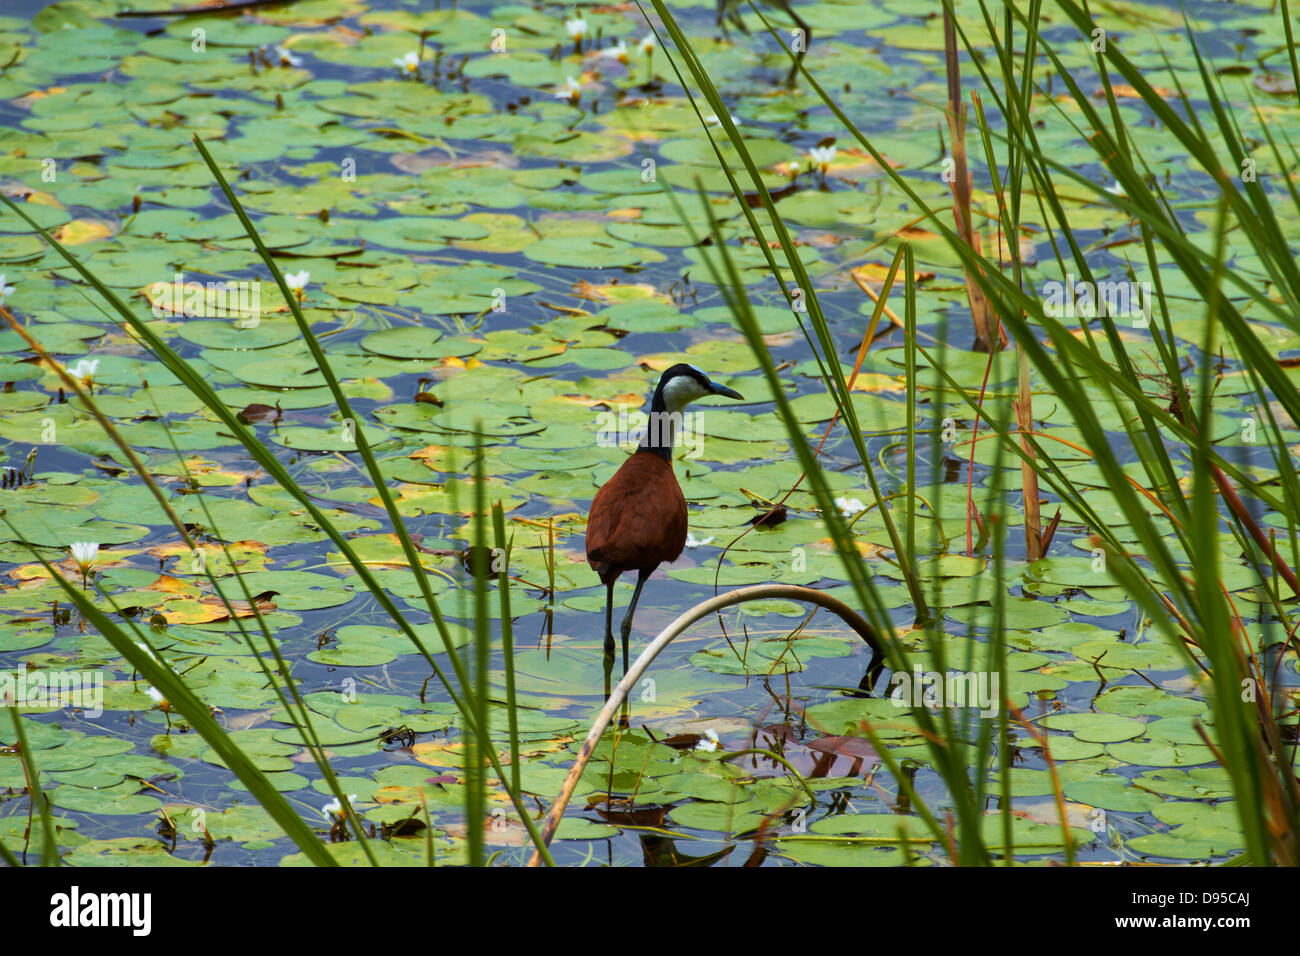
{"x": 822, "y": 156}
{"x": 577, "y": 28}
{"x": 691, "y": 542}
{"x": 84, "y": 370}
{"x": 410, "y": 63}
{"x": 155, "y": 695}
{"x": 710, "y": 742}
{"x": 1114, "y": 190}
{"x": 285, "y": 57}
{"x": 712, "y": 120}
{"x": 4, "y": 289}
{"x": 297, "y": 281}
{"x": 849, "y": 506}
{"x": 335, "y": 808}
{"x": 617, "y": 52}
{"x": 83, "y": 553}
{"x": 569, "y": 90}
{"x": 647, "y": 43}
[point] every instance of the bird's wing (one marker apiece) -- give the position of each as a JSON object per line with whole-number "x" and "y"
{"x": 602, "y": 524}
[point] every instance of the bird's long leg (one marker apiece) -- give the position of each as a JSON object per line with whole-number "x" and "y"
{"x": 631, "y": 609}
{"x": 609, "y": 617}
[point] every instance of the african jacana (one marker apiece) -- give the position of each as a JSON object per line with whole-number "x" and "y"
{"x": 638, "y": 518}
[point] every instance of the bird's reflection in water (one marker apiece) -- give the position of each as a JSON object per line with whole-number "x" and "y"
{"x": 659, "y": 850}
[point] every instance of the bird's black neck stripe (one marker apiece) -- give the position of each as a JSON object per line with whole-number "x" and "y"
{"x": 659, "y": 432}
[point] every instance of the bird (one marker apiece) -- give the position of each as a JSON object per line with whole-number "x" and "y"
{"x": 729, "y": 10}
{"x": 637, "y": 520}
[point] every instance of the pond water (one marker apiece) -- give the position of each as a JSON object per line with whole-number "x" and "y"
{"x": 510, "y": 255}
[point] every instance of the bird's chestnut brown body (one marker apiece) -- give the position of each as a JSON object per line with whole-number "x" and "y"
{"x": 638, "y": 518}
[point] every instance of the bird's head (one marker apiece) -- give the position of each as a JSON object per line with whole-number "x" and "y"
{"x": 683, "y": 384}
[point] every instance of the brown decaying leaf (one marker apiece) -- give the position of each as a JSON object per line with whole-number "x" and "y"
{"x": 258, "y": 413}
{"x": 1278, "y": 84}
{"x": 875, "y": 272}
{"x": 1123, "y": 91}
{"x": 770, "y": 517}
{"x": 614, "y": 291}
